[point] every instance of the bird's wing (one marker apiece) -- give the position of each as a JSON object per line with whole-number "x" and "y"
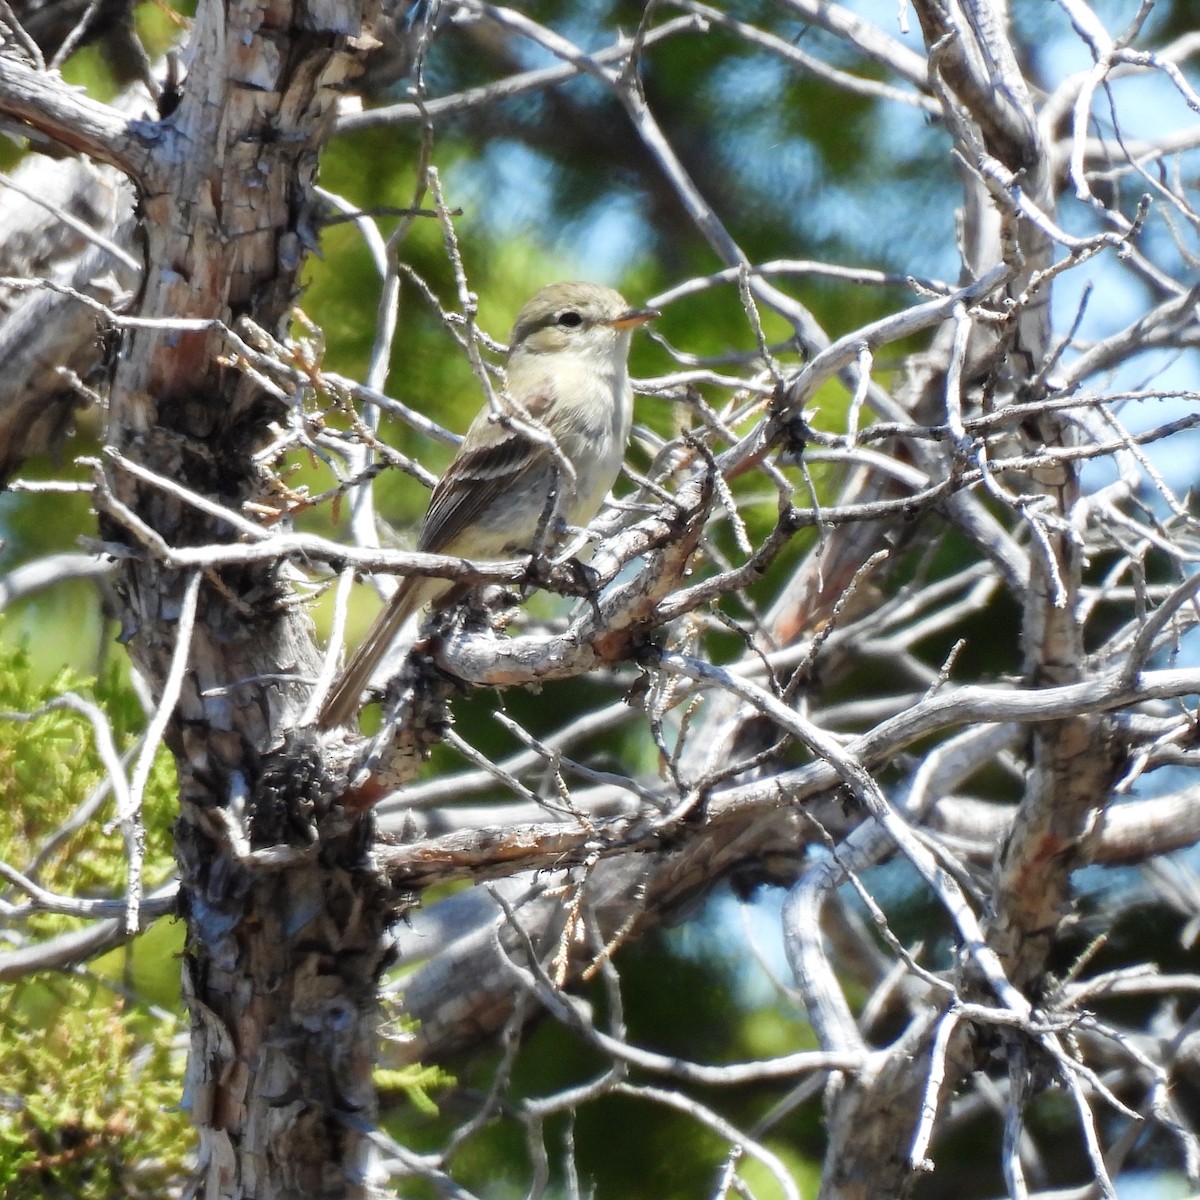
{"x": 496, "y": 459}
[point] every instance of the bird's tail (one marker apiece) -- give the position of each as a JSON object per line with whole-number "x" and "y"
{"x": 340, "y": 706}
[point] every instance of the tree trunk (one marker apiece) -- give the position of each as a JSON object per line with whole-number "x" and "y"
{"x": 285, "y": 920}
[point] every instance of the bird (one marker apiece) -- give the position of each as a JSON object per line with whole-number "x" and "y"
{"x": 546, "y": 455}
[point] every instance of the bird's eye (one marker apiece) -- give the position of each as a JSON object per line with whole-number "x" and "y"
{"x": 570, "y": 319}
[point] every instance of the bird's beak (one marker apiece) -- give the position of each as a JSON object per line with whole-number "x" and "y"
{"x": 634, "y": 317}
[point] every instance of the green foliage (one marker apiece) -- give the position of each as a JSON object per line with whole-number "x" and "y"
{"x": 414, "y": 1083}
{"x": 90, "y": 1096}
{"x": 50, "y": 767}
{"x": 89, "y": 1079}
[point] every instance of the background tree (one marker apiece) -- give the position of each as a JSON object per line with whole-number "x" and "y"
{"x": 888, "y": 654}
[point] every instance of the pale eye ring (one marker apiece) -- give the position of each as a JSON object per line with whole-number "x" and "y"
{"x": 570, "y": 319}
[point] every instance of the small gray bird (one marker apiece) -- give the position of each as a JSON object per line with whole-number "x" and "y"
{"x": 570, "y": 407}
